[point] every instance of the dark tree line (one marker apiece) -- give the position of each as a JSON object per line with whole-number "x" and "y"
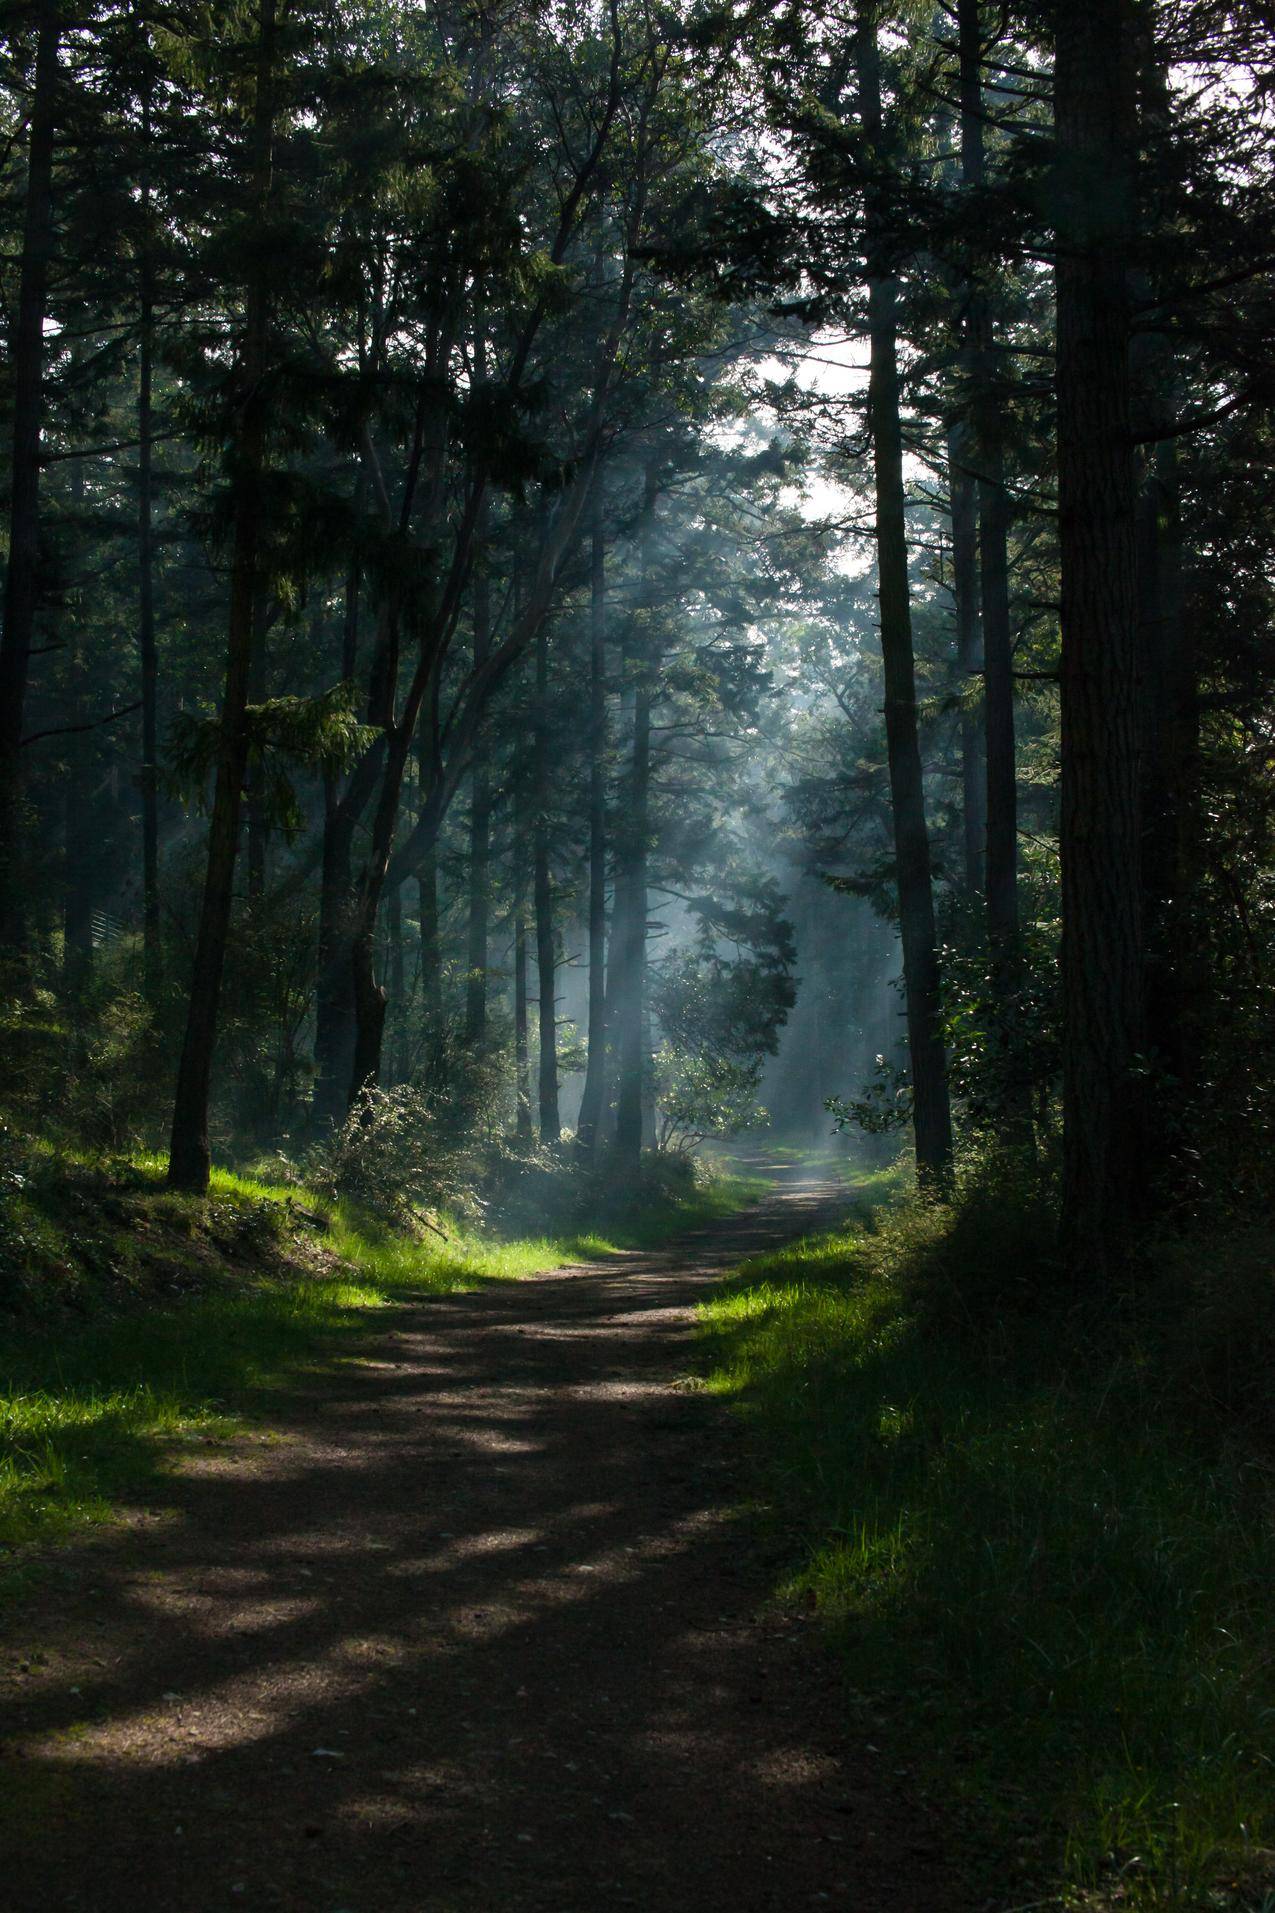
{"x": 414, "y": 639}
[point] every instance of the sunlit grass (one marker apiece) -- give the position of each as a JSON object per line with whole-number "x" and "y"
{"x": 93, "y": 1408}
{"x": 1045, "y": 1578}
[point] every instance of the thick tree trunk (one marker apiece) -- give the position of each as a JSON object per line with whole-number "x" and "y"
{"x": 546, "y": 951}
{"x": 22, "y": 580}
{"x": 189, "y": 1160}
{"x": 592, "y": 1098}
{"x": 931, "y": 1112}
{"x": 1104, "y": 1026}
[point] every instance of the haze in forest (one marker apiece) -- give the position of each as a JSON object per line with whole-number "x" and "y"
{"x": 645, "y": 631}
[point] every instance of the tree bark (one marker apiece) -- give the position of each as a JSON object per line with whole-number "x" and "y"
{"x": 334, "y": 986}
{"x": 430, "y": 941}
{"x": 255, "y": 794}
{"x": 22, "y": 580}
{"x": 1170, "y": 792}
{"x": 522, "y": 1072}
{"x": 987, "y": 445}
{"x": 479, "y": 844}
{"x": 963, "y": 496}
{"x": 998, "y": 681}
{"x": 932, "y": 1121}
{"x": 546, "y": 952}
{"x": 148, "y": 657}
{"x": 592, "y": 1098}
{"x": 629, "y": 1013}
{"x": 189, "y": 1161}
{"x": 334, "y": 994}
{"x": 628, "y": 1017}
{"x": 1104, "y": 1027}
{"x": 1170, "y": 789}
{"x": 81, "y": 852}
{"x": 398, "y": 978}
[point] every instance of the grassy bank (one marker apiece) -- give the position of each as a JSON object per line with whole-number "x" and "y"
{"x": 1041, "y": 1534}
{"x": 146, "y": 1320}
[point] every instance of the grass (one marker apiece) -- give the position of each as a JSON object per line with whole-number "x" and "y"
{"x": 157, "y": 1321}
{"x": 1048, "y": 1571}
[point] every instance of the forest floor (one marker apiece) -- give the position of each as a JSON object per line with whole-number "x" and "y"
{"x": 471, "y": 1622}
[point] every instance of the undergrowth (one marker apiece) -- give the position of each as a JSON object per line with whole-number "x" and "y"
{"x": 1039, "y": 1526}
{"x": 134, "y": 1320}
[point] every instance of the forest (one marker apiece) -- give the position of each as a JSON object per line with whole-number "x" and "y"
{"x": 637, "y": 916}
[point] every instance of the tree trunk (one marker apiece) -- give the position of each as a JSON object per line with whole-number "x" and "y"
{"x": 595, "y": 1073}
{"x": 22, "y": 581}
{"x": 152, "y": 955}
{"x": 81, "y": 840}
{"x": 931, "y": 1112}
{"x": 371, "y": 1001}
{"x": 963, "y": 495}
{"x": 1104, "y": 1029}
{"x": 998, "y": 680}
{"x": 431, "y": 946}
{"x": 987, "y": 445}
{"x": 479, "y": 845}
{"x": 334, "y": 985}
{"x": 398, "y": 978}
{"x": 334, "y": 992}
{"x": 522, "y": 1073}
{"x": 82, "y": 827}
{"x": 189, "y": 1160}
{"x": 257, "y": 683}
{"x": 628, "y": 1016}
{"x": 546, "y": 951}
{"x": 1170, "y": 790}
{"x": 629, "y": 1013}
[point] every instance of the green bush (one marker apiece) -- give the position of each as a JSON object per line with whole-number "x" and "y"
{"x": 396, "y": 1156}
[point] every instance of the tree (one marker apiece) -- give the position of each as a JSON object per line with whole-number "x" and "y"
{"x": 190, "y": 1156}
{"x": 931, "y": 1113}
{"x": 22, "y": 578}
{"x": 1104, "y": 1023}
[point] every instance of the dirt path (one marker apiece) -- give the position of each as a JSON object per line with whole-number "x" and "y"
{"x": 474, "y": 1628}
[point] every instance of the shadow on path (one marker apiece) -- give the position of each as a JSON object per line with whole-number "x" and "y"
{"x": 470, "y": 1627}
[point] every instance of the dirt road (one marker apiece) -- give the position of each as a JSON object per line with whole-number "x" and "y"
{"x": 474, "y": 1625}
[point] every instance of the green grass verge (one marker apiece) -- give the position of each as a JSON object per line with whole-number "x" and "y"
{"x": 1049, "y": 1577}
{"x": 188, "y": 1314}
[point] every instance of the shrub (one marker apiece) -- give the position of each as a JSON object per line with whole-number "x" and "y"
{"x": 397, "y": 1156}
